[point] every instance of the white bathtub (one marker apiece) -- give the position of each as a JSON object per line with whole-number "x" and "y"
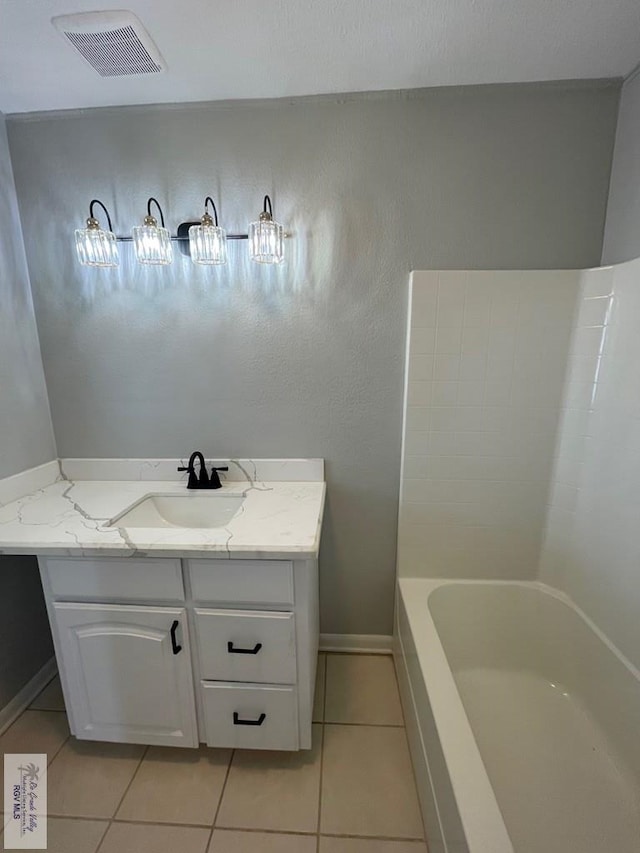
{"x": 523, "y": 720}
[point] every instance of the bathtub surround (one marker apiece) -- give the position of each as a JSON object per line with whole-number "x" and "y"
{"x": 622, "y": 232}
{"x": 592, "y": 546}
{"x": 486, "y": 359}
{"x": 26, "y": 440}
{"x": 577, "y": 531}
{"x": 530, "y": 470}
{"x": 305, "y": 359}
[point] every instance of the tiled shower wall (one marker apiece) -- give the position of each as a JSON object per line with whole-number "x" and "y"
{"x": 487, "y": 355}
{"x": 592, "y": 544}
{"x": 593, "y": 317}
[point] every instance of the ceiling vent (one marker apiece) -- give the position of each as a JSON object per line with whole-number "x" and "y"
{"x": 114, "y": 43}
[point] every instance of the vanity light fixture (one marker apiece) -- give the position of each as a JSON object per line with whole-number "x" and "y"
{"x": 208, "y": 241}
{"x": 204, "y": 240}
{"x": 152, "y": 243}
{"x": 95, "y": 246}
{"x": 266, "y": 237}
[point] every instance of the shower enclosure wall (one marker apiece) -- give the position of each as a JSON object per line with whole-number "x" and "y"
{"x": 521, "y": 464}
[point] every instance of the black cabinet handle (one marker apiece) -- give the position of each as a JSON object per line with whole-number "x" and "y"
{"x": 174, "y": 643}
{"x": 238, "y": 722}
{"x": 235, "y": 651}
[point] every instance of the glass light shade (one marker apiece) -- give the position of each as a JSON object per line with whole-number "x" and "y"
{"x": 152, "y": 244}
{"x": 96, "y": 248}
{"x": 266, "y": 241}
{"x": 208, "y": 244}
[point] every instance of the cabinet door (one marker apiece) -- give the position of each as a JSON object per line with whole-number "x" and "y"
{"x": 127, "y": 673}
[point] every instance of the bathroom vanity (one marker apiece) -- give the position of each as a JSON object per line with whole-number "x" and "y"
{"x": 174, "y": 635}
{"x": 181, "y": 651}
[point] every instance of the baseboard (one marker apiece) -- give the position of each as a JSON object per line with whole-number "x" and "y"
{"x": 371, "y": 644}
{"x": 25, "y": 697}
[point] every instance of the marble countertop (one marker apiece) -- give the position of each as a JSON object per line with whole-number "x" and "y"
{"x": 70, "y": 517}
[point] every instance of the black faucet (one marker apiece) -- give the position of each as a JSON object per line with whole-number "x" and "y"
{"x": 203, "y": 481}
{"x": 194, "y": 482}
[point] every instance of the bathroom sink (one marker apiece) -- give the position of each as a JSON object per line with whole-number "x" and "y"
{"x": 190, "y": 510}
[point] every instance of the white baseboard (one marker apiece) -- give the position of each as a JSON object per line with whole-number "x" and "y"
{"x": 371, "y": 644}
{"x": 25, "y": 697}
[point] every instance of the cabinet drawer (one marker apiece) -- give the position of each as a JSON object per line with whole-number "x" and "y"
{"x": 250, "y": 716}
{"x": 242, "y": 581}
{"x": 246, "y": 645}
{"x": 115, "y": 579}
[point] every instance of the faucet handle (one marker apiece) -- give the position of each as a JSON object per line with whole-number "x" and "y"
{"x": 215, "y": 480}
{"x": 192, "y": 482}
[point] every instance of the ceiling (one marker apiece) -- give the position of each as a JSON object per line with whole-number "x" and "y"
{"x": 219, "y": 50}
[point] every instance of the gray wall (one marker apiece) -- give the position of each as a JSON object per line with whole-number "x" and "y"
{"x": 25, "y": 637}
{"x": 26, "y": 435}
{"x": 622, "y": 232}
{"x": 26, "y": 439}
{"x": 306, "y": 360}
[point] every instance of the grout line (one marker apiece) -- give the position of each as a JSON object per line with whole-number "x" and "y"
{"x": 397, "y": 683}
{"x": 322, "y": 657}
{"x": 131, "y": 781}
{"x": 92, "y": 818}
{"x": 371, "y": 653}
{"x": 46, "y": 710}
{"x": 255, "y": 830}
{"x": 365, "y": 725}
{"x": 370, "y": 725}
{"x": 320, "y": 786}
{"x": 126, "y": 791}
{"x": 322, "y": 742}
{"x": 141, "y": 822}
{"x": 103, "y": 836}
{"x": 258, "y": 831}
{"x": 413, "y": 769}
{"x": 58, "y": 751}
{"x": 106, "y": 832}
{"x": 222, "y": 791}
{"x": 38, "y": 710}
{"x": 410, "y": 840}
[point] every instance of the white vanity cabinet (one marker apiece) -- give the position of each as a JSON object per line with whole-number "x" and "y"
{"x": 185, "y": 651}
{"x": 128, "y": 672}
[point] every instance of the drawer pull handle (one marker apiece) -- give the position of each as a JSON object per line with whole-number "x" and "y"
{"x": 174, "y": 643}
{"x": 238, "y": 722}
{"x": 235, "y": 651}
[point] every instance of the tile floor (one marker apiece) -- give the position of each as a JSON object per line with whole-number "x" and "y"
{"x": 353, "y": 792}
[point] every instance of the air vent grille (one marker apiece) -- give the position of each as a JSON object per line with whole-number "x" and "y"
{"x": 114, "y": 43}
{"x": 114, "y": 52}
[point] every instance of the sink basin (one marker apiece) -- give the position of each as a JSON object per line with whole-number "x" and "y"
{"x": 190, "y": 510}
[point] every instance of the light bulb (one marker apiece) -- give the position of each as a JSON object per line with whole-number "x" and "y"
{"x": 96, "y": 247}
{"x": 152, "y": 242}
{"x": 266, "y": 237}
{"x": 208, "y": 241}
